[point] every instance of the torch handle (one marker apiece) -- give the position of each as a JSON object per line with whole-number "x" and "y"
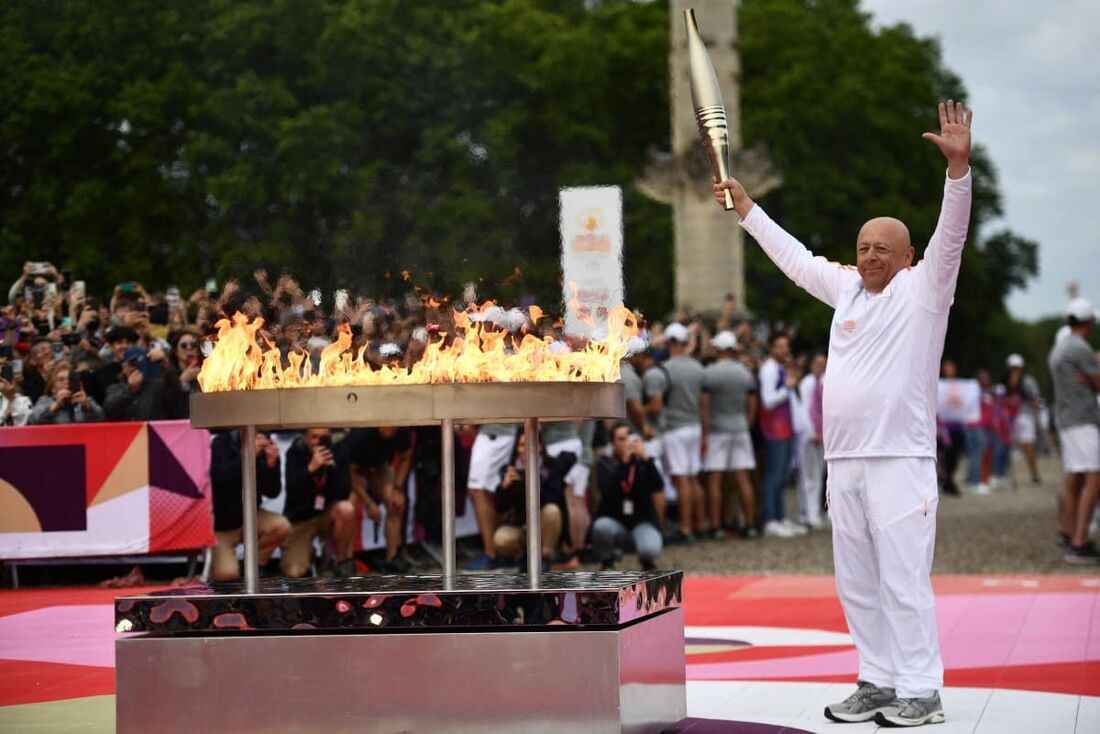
{"x": 729, "y": 200}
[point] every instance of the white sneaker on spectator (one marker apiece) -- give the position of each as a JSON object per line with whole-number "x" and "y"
{"x": 776, "y": 529}
{"x": 983, "y": 490}
{"x": 795, "y": 528}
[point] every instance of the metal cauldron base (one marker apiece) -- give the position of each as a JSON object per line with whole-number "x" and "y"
{"x": 584, "y": 653}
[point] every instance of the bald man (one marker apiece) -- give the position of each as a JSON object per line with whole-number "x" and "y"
{"x": 879, "y": 413}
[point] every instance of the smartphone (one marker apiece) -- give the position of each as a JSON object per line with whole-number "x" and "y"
{"x": 67, "y": 277}
{"x": 127, "y": 287}
{"x": 78, "y": 292}
{"x": 341, "y": 300}
{"x": 58, "y": 350}
{"x": 7, "y": 373}
{"x": 151, "y": 370}
{"x": 172, "y": 297}
{"x": 74, "y": 382}
{"x": 40, "y": 268}
{"x": 71, "y": 339}
{"x": 315, "y": 296}
{"x": 211, "y": 286}
{"x": 67, "y": 322}
{"x": 7, "y": 351}
{"x": 17, "y": 367}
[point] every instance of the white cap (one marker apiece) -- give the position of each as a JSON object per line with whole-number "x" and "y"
{"x": 1081, "y": 310}
{"x": 676, "y": 333}
{"x": 635, "y": 345}
{"x": 1014, "y": 360}
{"x": 724, "y": 340}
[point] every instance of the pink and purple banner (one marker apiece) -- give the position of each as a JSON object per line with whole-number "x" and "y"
{"x": 99, "y": 489}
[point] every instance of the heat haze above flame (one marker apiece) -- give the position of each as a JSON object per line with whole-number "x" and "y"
{"x": 244, "y": 359}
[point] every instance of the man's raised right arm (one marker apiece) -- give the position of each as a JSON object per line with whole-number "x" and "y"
{"x": 819, "y": 277}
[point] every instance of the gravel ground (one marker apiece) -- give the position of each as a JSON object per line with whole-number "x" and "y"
{"x": 1010, "y": 532}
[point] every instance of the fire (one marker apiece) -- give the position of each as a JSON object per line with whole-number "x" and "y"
{"x": 244, "y": 359}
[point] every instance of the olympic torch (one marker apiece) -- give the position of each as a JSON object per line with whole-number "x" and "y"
{"x": 706, "y": 98}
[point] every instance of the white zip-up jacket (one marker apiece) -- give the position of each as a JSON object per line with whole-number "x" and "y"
{"x": 884, "y": 348}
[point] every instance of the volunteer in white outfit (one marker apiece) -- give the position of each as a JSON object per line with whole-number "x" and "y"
{"x": 879, "y": 409}
{"x": 811, "y": 454}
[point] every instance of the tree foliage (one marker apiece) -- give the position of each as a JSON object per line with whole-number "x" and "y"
{"x": 348, "y": 140}
{"x": 841, "y": 107}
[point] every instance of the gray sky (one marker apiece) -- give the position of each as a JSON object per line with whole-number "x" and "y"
{"x": 1033, "y": 73}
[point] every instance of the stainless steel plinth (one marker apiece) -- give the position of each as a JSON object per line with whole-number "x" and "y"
{"x": 629, "y": 679}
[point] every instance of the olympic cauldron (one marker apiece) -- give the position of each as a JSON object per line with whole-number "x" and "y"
{"x": 578, "y": 652}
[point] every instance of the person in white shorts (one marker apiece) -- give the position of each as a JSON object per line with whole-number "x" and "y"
{"x": 728, "y": 409}
{"x": 683, "y": 431}
{"x": 1076, "y": 378}
{"x": 489, "y": 455}
{"x": 654, "y": 384}
{"x": 811, "y": 450}
{"x": 565, "y": 436}
{"x": 1022, "y": 394}
{"x": 879, "y": 418}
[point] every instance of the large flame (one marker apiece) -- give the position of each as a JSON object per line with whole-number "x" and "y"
{"x": 477, "y": 353}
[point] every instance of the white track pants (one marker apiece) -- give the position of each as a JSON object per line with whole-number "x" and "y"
{"x": 883, "y": 513}
{"x": 811, "y": 470}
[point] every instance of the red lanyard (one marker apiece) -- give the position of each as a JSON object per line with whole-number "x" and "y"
{"x": 628, "y": 485}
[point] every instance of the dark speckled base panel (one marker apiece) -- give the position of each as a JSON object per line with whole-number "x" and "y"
{"x": 363, "y": 603}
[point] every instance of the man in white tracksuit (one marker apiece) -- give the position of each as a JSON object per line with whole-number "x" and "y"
{"x": 879, "y": 411}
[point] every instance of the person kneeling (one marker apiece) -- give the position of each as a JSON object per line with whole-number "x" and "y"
{"x": 510, "y": 537}
{"x": 225, "y": 479}
{"x": 626, "y": 516}
{"x": 318, "y": 484}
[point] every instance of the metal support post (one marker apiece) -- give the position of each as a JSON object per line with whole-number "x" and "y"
{"x": 248, "y": 502}
{"x": 534, "y": 508}
{"x": 448, "y": 481}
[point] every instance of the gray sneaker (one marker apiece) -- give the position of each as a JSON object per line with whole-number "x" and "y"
{"x": 912, "y": 712}
{"x": 862, "y": 705}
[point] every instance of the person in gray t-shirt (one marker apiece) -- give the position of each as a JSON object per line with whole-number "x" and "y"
{"x": 683, "y": 431}
{"x": 633, "y": 396}
{"x": 1076, "y": 378}
{"x": 728, "y": 409}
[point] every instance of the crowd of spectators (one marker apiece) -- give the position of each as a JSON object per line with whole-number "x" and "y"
{"x": 723, "y": 417}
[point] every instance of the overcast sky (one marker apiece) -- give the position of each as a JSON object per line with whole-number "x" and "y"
{"x": 1033, "y": 73}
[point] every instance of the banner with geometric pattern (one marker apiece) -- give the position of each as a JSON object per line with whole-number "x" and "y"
{"x": 102, "y": 489}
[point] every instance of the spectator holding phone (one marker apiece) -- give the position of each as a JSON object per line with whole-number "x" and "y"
{"x": 36, "y": 368}
{"x": 15, "y": 408}
{"x": 626, "y": 518}
{"x": 66, "y": 400}
{"x": 142, "y": 393}
{"x": 318, "y": 485}
{"x": 509, "y": 539}
{"x": 186, "y": 362}
{"x": 225, "y": 480}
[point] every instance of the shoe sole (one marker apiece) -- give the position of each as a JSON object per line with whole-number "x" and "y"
{"x": 936, "y": 717}
{"x": 1080, "y": 561}
{"x": 853, "y": 718}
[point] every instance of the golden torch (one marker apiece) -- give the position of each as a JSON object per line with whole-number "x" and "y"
{"x": 706, "y": 98}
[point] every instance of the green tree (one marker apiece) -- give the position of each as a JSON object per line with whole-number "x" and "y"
{"x": 841, "y": 108}
{"x": 347, "y": 140}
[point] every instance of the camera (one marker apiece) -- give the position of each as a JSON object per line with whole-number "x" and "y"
{"x": 71, "y": 339}
{"x": 40, "y": 268}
